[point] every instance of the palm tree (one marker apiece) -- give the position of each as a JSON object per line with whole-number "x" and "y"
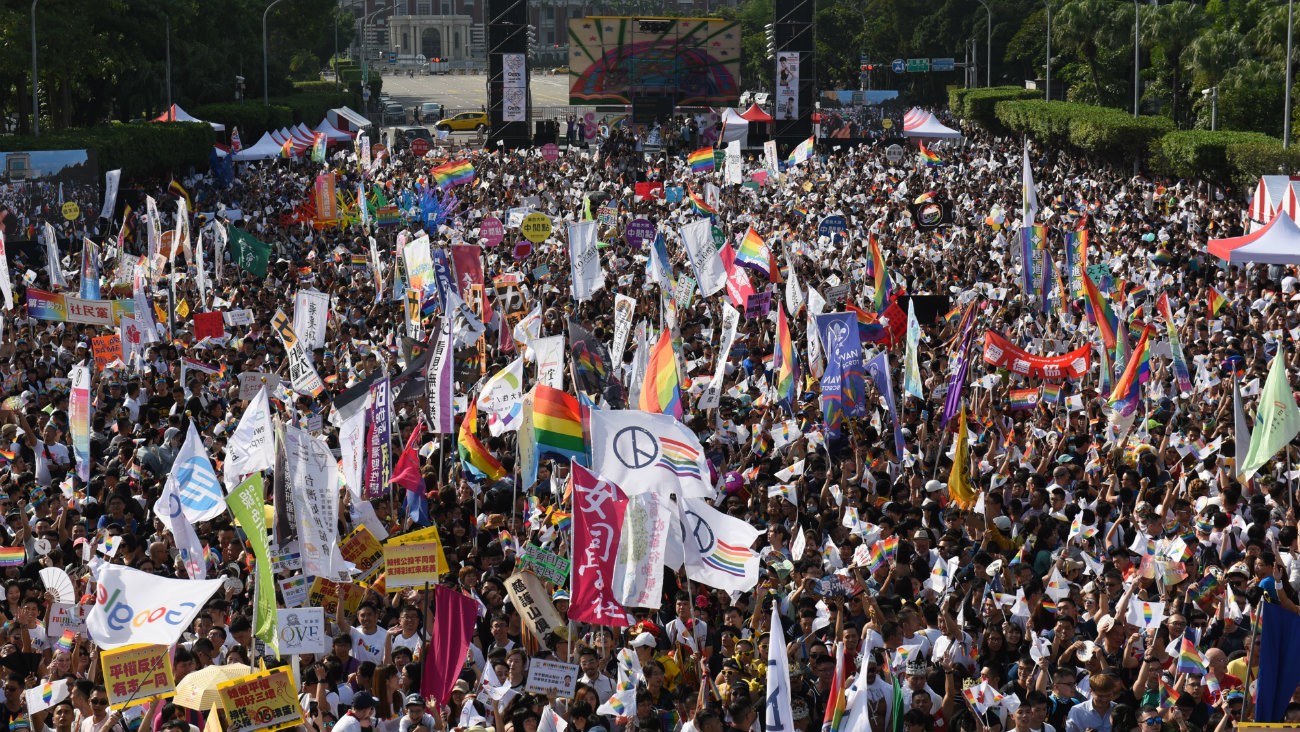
{"x": 1170, "y": 29}
{"x": 1086, "y": 30}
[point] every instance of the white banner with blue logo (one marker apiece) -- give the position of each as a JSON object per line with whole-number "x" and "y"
{"x": 195, "y": 482}
{"x": 137, "y": 607}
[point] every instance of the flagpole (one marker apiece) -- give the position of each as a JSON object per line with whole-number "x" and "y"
{"x": 1248, "y": 711}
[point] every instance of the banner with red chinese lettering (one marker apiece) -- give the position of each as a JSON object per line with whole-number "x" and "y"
{"x": 261, "y": 700}
{"x": 598, "y": 510}
{"x": 998, "y": 351}
{"x": 137, "y": 674}
{"x": 326, "y": 199}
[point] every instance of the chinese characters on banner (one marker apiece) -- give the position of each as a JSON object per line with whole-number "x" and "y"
{"x": 264, "y": 700}
{"x": 137, "y": 674}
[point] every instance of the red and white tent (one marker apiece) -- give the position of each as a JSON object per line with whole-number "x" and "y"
{"x": 176, "y": 114}
{"x": 332, "y": 133}
{"x": 1276, "y": 243}
{"x": 755, "y": 113}
{"x": 1272, "y": 195}
{"x": 920, "y": 123}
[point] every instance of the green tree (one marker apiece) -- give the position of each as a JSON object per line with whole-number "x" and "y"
{"x": 1169, "y": 30}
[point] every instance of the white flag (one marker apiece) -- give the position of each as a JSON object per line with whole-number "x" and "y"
{"x": 1146, "y": 614}
{"x": 137, "y": 607}
{"x": 639, "y": 451}
{"x": 168, "y": 510}
{"x": 440, "y": 382}
{"x": 713, "y": 392}
{"x": 46, "y": 695}
{"x": 112, "y": 179}
{"x": 195, "y": 482}
{"x": 777, "y": 716}
{"x": 502, "y": 398}
{"x": 551, "y": 722}
{"x": 624, "y": 309}
{"x": 529, "y": 328}
{"x": 352, "y": 447}
{"x": 584, "y": 261}
{"x": 858, "y": 697}
{"x": 313, "y": 475}
{"x": 717, "y": 547}
{"x": 710, "y": 274}
{"x": 251, "y": 446}
{"x": 310, "y": 316}
{"x": 1241, "y": 438}
{"x": 643, "y": 550}
{"x": 52, "y": 259}
{"x": 548, "y": 352}
{"x": 794, "y": 297}
{"x": 1028, "y": 192}
{"x": 6, "y": 285}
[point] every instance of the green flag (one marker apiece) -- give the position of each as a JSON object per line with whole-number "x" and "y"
{"x": 248, "y": 253}
{"x": 1277, "y": 420}
{"x": 896, "y": 716}
{"x": 248, "y": 505}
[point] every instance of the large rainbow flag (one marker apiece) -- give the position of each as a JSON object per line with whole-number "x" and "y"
{"x": 753, "y": 253}
{"x": 473, "y": 455}
{"x": 1128, "y": 391}
{"x": 881, "y": 276}
{"x": 698, "y": 203}
{"x": 453, "y": 174}
{"x": 701, "y": 161}
{"x": 787, "y": 369}
{"x": 557, "y": 423}
{"x": 1099, "y": 312}
{"x": 661, "y": 393}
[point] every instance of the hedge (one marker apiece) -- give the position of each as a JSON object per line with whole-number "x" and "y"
{"x": 1093, "y": 130}
{"x": 310, "y": 107}
{"x": 1203, "y": 153}
{"x": 1248, "y": 161}
{"x": 251, "y": 117}
{"x": 140, "y": 149}
{"x": 978, "y": 104}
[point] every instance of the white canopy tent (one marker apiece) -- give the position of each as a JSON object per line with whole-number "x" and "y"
{"x": 176, "y": 114}
{"x": 1274, "y": 193}
{"x": 922, "y": 124}
{"x": 347, "y": 120}
{"x": 734, "y": 127}
{"x": 332, "y": 133}
{"x": 1277, "y": 243}
{"x": 265, "y": 148}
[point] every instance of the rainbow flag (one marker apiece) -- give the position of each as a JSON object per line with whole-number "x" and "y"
{"x": 787, "y": 369}
{"x": 508, "y": 543}
{"x": 557, "y": 423}
{"x": 1183, "y": 375}
{"x": 1190, "y": 659}
{"x": 453, "y": 174}
{"x": 12, "y": 556}
{"x": 8, "y": 455}
{"x": 286, "y": 150}
{"x": 1051, "y": 393}
{"x": 1049, "y": 606}
{"x": 66, "y": 642}
{"x": 753, "y": 253}
{"x": 1127, "y": 392}
{"x": 1022, "y": 399}
{"x": 833, "y": 721}
{"x": 661, "y": 393}
{"x": 1168, "y": 696}
{"x": 1216, "y": 302}
{"x": 931, "y": 160}
{"x": 473, "y": 455}
{"x": 318, "y": 148}
{"x": 889, "y": 547}
{"x": 801, "y": 152}
{"x": 882, "y": 277}
{"x": 1099, "y": 312}
{"x": 562, "y": 520}
{"x": 701, "y": 161}
{"x": 698, "y": 203}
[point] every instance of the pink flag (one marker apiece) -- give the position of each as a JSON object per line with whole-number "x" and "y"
{"x": 598, "y": 510}
{"x": 407, "y": 471}
{"x": 738, "y": 287}
{"x": 453, "y": 623}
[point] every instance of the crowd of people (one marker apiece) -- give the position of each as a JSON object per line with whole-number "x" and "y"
{"x": 1049, "y": 574}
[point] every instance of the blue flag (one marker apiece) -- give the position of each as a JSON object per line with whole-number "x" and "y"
{"x": 1279, "y": 662}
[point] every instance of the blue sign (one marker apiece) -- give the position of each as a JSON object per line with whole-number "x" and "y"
{"x": 392, "y": 57}
{"x": 833, "y": 226}
{"x": 942, "y": 64}
{"x": 898, "y": 66}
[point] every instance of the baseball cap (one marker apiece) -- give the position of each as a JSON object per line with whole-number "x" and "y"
{"x": 363, "y": 701}
{"x": 643, "y": 640}
{"x": 414, "y": 700}
{"x": 1003, "y": 523}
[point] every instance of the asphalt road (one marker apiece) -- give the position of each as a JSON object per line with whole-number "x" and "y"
{"x": 463, "y": 93}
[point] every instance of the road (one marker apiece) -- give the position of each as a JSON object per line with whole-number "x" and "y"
{"x": 462, "y": 93}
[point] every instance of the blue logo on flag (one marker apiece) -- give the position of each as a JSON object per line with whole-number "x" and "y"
{"x": 199, "y": 489}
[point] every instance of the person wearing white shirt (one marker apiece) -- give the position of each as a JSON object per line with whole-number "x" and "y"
{"x": 589, "y": 662}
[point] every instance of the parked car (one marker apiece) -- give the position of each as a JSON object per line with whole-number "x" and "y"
{"x": 399, "y": 138}
{"x": 430, "y": 112}
{"x": 464, "y": 121}
{"x": 394, "y": 114}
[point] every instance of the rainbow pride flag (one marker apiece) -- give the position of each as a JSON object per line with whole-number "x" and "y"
{"x": 662, "y": 393}
{"x": 787, "y": 369}
{"x": 286, "y": 150}
{"x": 1216, "y": 302}
{"x": 882, "y": 277}
{"x": 931, "y": 160}
{"x": 833, "y": 721}
{"x": 1181, "y": 371}
{"x": 557, "y": 423}
{"x": 698, "y": 203}
{"x": 12, "y": 556}
{"x": 1190, "y": 659}
{"x": 1127, "y": 392}
{"x": 1051, "y": 393}
{"x": 1099, "y": 311}
{"x": 473, "y": 455}
{"x": 453, "y": 174}
{"x": 701, "y": 161}
{"x": 1022, "y": 399}
{"x": 753, "y": 253}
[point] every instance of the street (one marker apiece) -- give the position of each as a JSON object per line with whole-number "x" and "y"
{"x": 467, "y": 93}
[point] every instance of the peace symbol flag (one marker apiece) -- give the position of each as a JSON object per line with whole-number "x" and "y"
{"x": 640, "y": 451}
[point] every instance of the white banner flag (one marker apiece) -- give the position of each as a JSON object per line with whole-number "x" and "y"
{"x": 6, "y": 285}
{"x": 138, "y": 607}
{"x": 302, "y": 375}
{"x": 251, "y": 446}
{"x": 111, "y": 181}
{"x": 313, "y": 475}
{"x": 352, "y": 450}
{"x": 196, "y": 484}
{"x": 584, "y": 261}
{"x": 713, "y": 392}
{"x": 710, "y": 274}
{"x": 440, "y": 382}
{"x": 777, "y": 715}
{"x": 642, "y": 550}
{"x": 310, "y": 316}
{"x": 52, "y": 259}
{"x": 716, "y": 547}
{"x": 46, "y": 695}
{"x": 502, "y": 398}
{"x": 640, "y": 452}
{"x": 624, "y": 309}
{"x": 731, "y": 167}
{"x": 170, "y": 513}
{"x": 548, "y": 352}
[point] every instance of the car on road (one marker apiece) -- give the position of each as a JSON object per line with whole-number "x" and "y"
{"x": 399, "y": 138}
{"x": 464, "y": 121}
{"x": 394, "y": 114}
{"x": 430, "y": 112}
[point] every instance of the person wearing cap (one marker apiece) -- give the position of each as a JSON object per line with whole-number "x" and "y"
{"x": 417, "y": 715}
{"x": 360, "y": 716}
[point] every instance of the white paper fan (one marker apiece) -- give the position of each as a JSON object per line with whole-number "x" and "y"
{"x": 58, "y": 582}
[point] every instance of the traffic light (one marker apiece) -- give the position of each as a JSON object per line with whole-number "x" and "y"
{"x": 769, "y": 30}
{"x": 532, "y": 39}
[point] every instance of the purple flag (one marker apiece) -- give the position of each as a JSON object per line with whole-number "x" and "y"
{"x": 379, "y": 448}
{"x": 878, "y": 370}
{"x": 952, "y": 400}
{"x": 453, "y": 623}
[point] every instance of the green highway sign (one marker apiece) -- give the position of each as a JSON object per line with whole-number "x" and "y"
{"x": 918, "y": 65}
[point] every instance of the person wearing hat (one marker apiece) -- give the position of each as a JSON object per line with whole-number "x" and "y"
{"x": 917, "y": 673}
{"x": 361, "y": 716}
{"x": 417, "y": 715}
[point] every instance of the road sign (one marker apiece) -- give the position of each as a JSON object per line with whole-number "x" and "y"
{"x": 419, "y": 147}
{"x": 392, "y": 57}
{"x": 918, "y": 65}
{"x": 898, "y": 66}
{"x": 942, "y": 64}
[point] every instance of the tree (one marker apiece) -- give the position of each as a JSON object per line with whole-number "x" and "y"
{"x": 1169, "y": 30}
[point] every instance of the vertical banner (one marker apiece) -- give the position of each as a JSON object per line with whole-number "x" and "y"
{"x": 89, "y": 270}
{"x": 712, "y": 395}
{"x": 468, "y": 262}
{"x": 326, "y": 198}
{"x": 733, "y": 164}
{"x": 770, "y": 161}
{"x": 514, "y": 86}
{"x": 598, "y": 510}
{"x": 379, "y": 456}
{"x": 624, "y": 308}
{"x": 1033, "y": 240}
{"x": 313, "y": 481}
{"x": 6, "y": 285}
{"x": 439, "y": 381}
{"x": 787, "y": 85}
{"x": 310, "y": 317}
{"x": 584, "y": 261}
{"x": 549, "y": 355}
{"x": 111, "y": 181}
{"x": 363, "y": 156}
{"x": 247, "y": 504}
{"x": 79, "y": 406}
{"x": 1076, "y": 260}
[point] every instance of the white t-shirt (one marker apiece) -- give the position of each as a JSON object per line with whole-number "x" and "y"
{"x": 415, "y": 643}
{"x": 58, "y": 454}
{"x": 368, "y": 647}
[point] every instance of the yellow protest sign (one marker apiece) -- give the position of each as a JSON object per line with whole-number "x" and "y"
{"x": 536, "y": 227}
{"x": 262, "y": 700}
{"x": 362, "y": 549}
{"x": 325, "y": 593}
{"x": 71, "y": 211}
{"x": 427, "y": 536}
{"x": 412, "y": 565}
{"x": 137, "y": 674}
{"x": 183, "y": 309}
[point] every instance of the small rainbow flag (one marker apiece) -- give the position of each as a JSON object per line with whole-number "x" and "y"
{"x": 661, "y": 393}
{"x": 8, "y": 455}
{"x": 882, "y": 283}
{"x": 472, "y": 452}
{"x": 753, "y": 253}
{"x": 286, "y": 150}
{"x": 1049, "y": 606}
{"x": 1216, "y": 302}
{"x": 787, "y": 369}
{"x": 453, "y": 174}
{"x": 66, "y": 642}
{"x": 1190, "y": 659}
{"x": 1051, "y": 393}
{"x": 1022, "y": 399}
{"x": 701, "y": 161}
{"x": 931, "y": 160}
{"x": 12, "y": 556}
{"x": 889, "y": 547}
{"x": 833, "y": 721}
{"x": 698, "y": 203}
{"x": 1099, "y": 311}
{"x": 1127, "y": 392}
{"x": 1168, "y": 696}
{"x": 508, "y": 543}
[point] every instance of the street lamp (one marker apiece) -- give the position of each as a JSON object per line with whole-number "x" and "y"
{"x": 1286, "y": 107}
{"x": 1213, "y": 95}
{"x": 266, "y": 77}
{"x": 988, "y": 48}
{"x": 365, "y": 50}
{"x": 169, "y": 64}
{"x": 1048, "y": 4}
{"x": 35, "y": 99}
{"x": 1137, "y": 59}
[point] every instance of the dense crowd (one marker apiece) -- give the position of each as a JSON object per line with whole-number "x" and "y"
{"x": 922, "y": 586}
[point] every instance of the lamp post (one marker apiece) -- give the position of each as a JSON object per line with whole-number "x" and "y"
{"x": 1048, "y": 4}
{"x": 266, "y": 77}
{"x": 988, "y": 48}
{"x": 35, "y": 99}
{"x": 1137, "y": 58}
{"x": 168, "y": 18}
{"x": 365, "y": 48}
{"x": 1213, "y": 95}
{"x": 1286, "y": 106}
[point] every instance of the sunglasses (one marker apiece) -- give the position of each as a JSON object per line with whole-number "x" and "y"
{"x": 99, "y": 702}
{"x": 1154, "y": 721}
